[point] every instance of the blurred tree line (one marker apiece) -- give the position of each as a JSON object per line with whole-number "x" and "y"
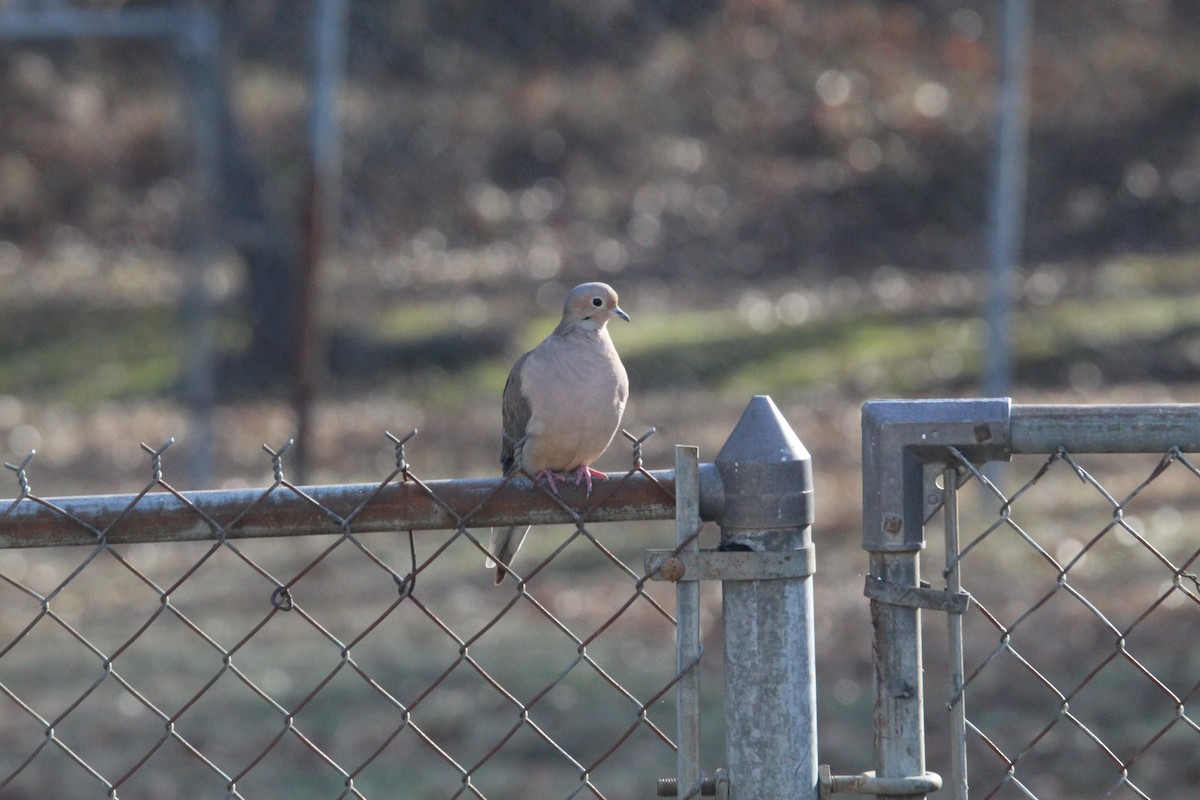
{"x": 511, "y": 141}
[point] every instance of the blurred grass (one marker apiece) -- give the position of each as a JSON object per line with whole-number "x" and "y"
{"x": 84, "y": 356}
{"x": 90, "y": 355}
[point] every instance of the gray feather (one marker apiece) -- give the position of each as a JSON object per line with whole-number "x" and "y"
{"x": 516, "y": 412}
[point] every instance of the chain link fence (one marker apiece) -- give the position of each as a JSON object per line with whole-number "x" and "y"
{"x": 175, "y": 651}
{"x": 1077, "y": 652}
{"x": 346, "y": 641}
{"x": 1069, "y": 593}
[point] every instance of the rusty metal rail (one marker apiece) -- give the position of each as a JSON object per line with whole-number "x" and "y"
{"x": 287, "y": 510}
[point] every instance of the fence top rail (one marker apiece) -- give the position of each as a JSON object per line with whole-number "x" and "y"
{"x": 1139, "y": 428}
{"x": 163, "y": 514}
{"x": 996, "y": 427}
{"x": 903, "y": 440}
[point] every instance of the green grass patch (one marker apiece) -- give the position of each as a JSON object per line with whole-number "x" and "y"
{"x": 876, "y": 349}
{"x": 88, "y": 356}
{"x": 1134, "y": 305}
{"x": 1075, "y": 323}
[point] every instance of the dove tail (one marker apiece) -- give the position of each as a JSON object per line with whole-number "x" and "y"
{"x": 504, "y": 544}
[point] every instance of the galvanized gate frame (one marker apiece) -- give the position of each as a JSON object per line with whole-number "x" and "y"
{"x": 910, "y": 449}
{"x": 759, "y": 491}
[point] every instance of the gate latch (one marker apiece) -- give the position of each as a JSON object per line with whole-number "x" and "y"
{"x": 869, "y": 783}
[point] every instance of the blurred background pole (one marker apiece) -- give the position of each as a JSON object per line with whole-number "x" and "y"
{"x": 1005, "y": 228}
{"x": 320, "y": 209}
{"x": 194, "y": 32}
{"x": 199, "y": 48}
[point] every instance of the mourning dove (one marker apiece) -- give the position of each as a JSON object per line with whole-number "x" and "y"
{"x": 562, "y": 404}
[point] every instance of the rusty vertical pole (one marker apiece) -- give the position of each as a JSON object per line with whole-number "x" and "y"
{"x": 320, "y": 210}
{"x": 198, "y": 45}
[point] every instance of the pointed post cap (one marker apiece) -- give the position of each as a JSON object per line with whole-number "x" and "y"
{"x": 766, "y": 472}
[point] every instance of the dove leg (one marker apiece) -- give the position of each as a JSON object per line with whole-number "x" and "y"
{"x": 548, "y": 476}
{"x": 585, "y": 473}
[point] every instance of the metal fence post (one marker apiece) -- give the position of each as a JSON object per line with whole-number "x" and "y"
{"x": 770, "y": 683}
{"x": 905, "y": 446}
{"x": 687, "y": 615}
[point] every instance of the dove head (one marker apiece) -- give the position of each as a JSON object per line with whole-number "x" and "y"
{"x": 590, "y": 306}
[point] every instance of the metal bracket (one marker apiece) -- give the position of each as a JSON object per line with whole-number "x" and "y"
{"x": 900, "y": 440}
{"x": 729, "y": 565}
{"x": 916, "y": 596}
{"x": 717, "y": 786}
{"x": 868, "y": 783}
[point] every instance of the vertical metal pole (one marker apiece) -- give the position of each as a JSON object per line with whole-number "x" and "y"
{"x": 198, "y": 45}
{"x": 899, "y": 693}
{"x": 320, "y": 208}
{"x": 958, "y": 701}
{"x": 770, "y": 683}
{"x": 900, "y": 440}
{"x": 687, "y": 620}
{"x": 1005, "y": 230}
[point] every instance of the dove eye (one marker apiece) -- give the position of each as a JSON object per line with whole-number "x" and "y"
{"x": 597, "y": 302}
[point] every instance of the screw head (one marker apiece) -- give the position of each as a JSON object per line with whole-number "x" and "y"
{"x": 672, "y": 569}
{"x": 892, "y": 524}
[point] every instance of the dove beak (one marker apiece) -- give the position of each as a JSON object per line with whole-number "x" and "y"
{"x": 617, "y": 310}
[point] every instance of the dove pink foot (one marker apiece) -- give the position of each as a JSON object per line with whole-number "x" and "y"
{"x": 585, "y": 473}
{"x": 582, "y": 474}
{"x": 548, "y": 476}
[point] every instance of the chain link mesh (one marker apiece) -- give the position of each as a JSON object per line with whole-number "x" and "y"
{"x": 1078, "y": 647}
{"x": 349, "y": 665}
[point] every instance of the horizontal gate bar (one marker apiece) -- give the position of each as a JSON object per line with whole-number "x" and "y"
{"x": 1036, "y": 429}
{"x": 254, "y": 513}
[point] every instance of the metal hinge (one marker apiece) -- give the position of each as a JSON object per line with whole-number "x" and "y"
{"x": 921, "y": 596}
{"x": 868, "y": 783}
{"x": 717, "y": 786}
{"x": 729, "y": 565}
